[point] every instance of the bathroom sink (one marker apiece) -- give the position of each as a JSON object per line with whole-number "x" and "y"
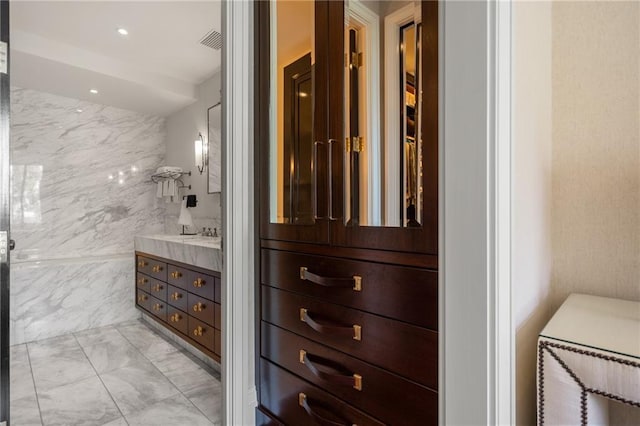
{"x": 199, "y": 240}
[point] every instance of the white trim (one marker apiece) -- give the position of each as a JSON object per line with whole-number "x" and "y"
{"x": 238, "y": 340}
{"x": 392, "y": 24}
{"x": 476, "y": 350}
{"x": 370, "y": 21}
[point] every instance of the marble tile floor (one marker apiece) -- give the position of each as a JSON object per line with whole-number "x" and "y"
{"x": 125, "y": 374}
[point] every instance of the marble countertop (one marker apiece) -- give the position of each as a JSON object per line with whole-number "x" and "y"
{"x": 204, "y": 252}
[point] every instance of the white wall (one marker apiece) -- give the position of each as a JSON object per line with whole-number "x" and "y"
{"x": 531, "y": 189}
{"x": 182, "y": 129}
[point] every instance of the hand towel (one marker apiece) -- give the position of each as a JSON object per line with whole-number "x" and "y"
{"x": 159, "y": 189}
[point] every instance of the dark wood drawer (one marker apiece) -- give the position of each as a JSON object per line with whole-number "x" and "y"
{"x": 218, "y": 317}
{"x": 202, "y": 284}
{"x": 401, "y": 348}
{"x": 177, "y": 297}
{"x": 158, "y": 308}
{"x": 386, "y": 290}
{"x": 178, "y": 319}
{"x": 265, "y": 419}
{"x": 386, "y": 396}
{"x": 202, "y": 309}
{"x": 202, "y": 333}
{"x": 142, "y": 282}
{"x": 217, "y": 347}
{"x": 143, "y": 300}
{"x": 178, "y": 276}
{"x": 284, "y": 395}
{"x": 158, "y": 289}
{"x": 152, "y": 267}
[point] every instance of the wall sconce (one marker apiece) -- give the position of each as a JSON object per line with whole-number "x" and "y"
{"x": 200, "y": 153}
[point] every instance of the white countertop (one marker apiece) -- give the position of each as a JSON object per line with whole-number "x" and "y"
{"x": 598, "y": 322}
{"x": 197, "y": 250}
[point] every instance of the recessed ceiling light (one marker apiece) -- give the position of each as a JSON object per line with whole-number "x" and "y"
{"x": 78, "y": 110}
{"x": 122, "y": 31}
{"x": 94, "y": 91}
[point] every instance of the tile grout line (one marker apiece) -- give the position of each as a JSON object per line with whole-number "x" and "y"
{"x": 100, "y": 378}
{"x": 163, "y": 375}
{"x": 33, "y": 379}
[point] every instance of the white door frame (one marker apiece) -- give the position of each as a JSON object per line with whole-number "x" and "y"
{"x": 476, "y": 332}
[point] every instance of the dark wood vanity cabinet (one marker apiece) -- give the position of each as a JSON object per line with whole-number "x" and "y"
{"x": 183, "y": 298}
{"x": 347, "y": 327}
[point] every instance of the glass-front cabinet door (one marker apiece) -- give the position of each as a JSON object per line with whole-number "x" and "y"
{"x": 348, "y": 123}
{"x": 383, "y": 125}
{"x": 292, "y": 119}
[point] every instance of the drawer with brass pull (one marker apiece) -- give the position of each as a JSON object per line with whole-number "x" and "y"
{"x": 178, "y": 320}
{"x": 202, "y": 309}
{"x": 178, "y": 276}
{"x": 142, "y": 282}
{"x": 387, "y": 290}
{"x": 158, "y": 308}
{"x": 363, "y": 335}
{"x": 374, "y": 390}
{"x": 297, "y": 402}
{"x": 158, "y": 289}
{"x": 177, "y": 297}
{"x": 142, "y": 299}
{"x": 201, "y": 284}
{"x": 152, "y": 267}
{"x": 202, "y": 333}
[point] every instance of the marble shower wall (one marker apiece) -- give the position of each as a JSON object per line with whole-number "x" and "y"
{"x": 81, "y": 190}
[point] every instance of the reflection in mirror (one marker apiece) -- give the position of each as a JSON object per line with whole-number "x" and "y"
{"x": 291, "y": 112}
{"x": 383, "y": 157}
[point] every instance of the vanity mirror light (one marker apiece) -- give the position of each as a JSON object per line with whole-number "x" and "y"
{"x": 214, "y": 148}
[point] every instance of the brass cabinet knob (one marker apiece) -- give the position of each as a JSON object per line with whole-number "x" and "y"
{"x": 175, "y": 296}
{"x": 157, "y": 268}
{"x": 176, "y": 274}
{"x": 198, "y": 331}
{"x": 198, "y": 307}
{"x": 157, "y": 307}
{"x": 199, "y": 283}
{"x": 175, "y": 318}
{"x": 142, "y": 298}
{"x": 157, "y": 287}
{"x": 142, "y": 281}
{"x": 142, "y": 264}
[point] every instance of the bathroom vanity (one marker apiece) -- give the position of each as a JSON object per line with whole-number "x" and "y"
{"x": 178, "y": 285}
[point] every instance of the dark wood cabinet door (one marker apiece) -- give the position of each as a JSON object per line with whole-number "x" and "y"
{"x": 291, "y": 121}
{"x": 357, "y": 219}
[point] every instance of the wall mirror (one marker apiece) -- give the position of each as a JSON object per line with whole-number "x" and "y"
{"x": 292, "y": 148}
{"x": 383, "y": 103}
{"x": 214, "y": 148}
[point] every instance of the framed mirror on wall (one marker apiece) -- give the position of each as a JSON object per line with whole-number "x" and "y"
{"x": 214, "y": 149}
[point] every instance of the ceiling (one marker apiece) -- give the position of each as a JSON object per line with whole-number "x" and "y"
{"x": 68, "y": 48}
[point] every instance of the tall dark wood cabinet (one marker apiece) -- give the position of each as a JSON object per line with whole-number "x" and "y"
{"x": 347, "y": 180}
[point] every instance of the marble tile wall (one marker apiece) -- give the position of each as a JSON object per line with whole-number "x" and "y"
{"x": 81, "y": 190}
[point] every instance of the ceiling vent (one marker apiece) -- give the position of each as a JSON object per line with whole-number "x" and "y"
{"x": 212, "y": 39}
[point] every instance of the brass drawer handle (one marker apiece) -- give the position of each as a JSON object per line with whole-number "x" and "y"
{"x": 157, "y": 307}
{"x": 176, "y": 274}
{"x": 176, "y": 296}
{"x": 352, "y": 380}
{"x": 157, "y": 287}
{"x": 354, "y": 282}
{"x": 354, "y": 331}
{"x": 199, "y": 283}
{"x": 198, "y": 307}
{"x": 142, "y": 264}
{"x": 142, "y": 298}
{"x": 142, "y": 281}
{"x": 157, "y": 268}
{"x": 175, "y": 318}
{"x": 303, "y": 401}
{"x": 199, "y": 331}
